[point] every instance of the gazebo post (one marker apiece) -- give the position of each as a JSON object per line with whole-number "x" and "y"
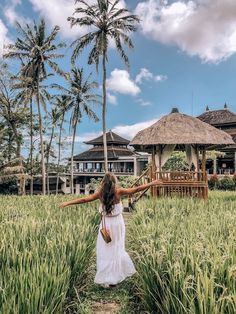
{"x": 204, "y": 170}
{"x": 204, "y": 163}
{"x": 159, "y": 159}
{"x": 198, "y": 166}
{"x": 153, "y": 171}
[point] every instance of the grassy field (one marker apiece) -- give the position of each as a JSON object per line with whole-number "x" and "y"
{"x": 184, "y": 251}
{"x": 185, "y": 254}
{"x": 44, "y": 251}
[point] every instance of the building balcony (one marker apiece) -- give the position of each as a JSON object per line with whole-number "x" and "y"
{"x": 94, "y": 171}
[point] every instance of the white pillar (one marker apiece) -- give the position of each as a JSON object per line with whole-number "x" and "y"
{"x": 77, "y": 189}
{"x": 215, "y": 166}
{"x": 135, "y": 167}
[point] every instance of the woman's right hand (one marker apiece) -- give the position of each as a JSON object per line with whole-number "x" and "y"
{"x": 63, "y": 204}
{"x": 156, "y": 182}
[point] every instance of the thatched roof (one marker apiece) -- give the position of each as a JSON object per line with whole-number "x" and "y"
{"x": 218, "y": 117}
{"x": 177, "y": 128}
{"x": 112, "y": 138}
{"x": 97, "y": 153}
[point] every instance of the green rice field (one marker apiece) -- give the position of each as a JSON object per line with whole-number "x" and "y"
{"x": 184, "y": 251}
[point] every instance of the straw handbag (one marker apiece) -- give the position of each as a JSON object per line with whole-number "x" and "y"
{"x": 104, "y": 232}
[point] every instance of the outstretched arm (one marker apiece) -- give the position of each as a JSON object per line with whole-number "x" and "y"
{"x": 81, "y": 200}
{"x": 129, "y": 191}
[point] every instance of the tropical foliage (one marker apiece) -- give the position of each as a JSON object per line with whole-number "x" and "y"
{"x": 28, "y": 103}
{"x": 37, "y": 53}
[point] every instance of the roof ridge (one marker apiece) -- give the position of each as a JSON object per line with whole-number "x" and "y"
{"x": 112, "y": 135}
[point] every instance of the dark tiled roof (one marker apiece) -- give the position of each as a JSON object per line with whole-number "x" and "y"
{"x": 52, "y": 180}
{"x": 215, "y": 117}
{"x": 97, "y": 153}
{"x": 112, "y": 138}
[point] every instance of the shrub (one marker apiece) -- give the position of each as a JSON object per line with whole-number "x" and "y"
{"x": 176, "y": 162}
{"x": 126, "y": 181}
{"x": 234, "y": 178}
{"x": 227, "y": 183}
{"x": 213, "y": 182}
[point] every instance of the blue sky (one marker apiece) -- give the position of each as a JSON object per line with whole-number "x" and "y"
{"x": 184, "y": 56}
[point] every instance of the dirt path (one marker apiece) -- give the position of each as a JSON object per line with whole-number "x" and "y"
{"x": 103, "y": 308}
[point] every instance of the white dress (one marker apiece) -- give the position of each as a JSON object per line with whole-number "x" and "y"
{"x": 113, "y": 262}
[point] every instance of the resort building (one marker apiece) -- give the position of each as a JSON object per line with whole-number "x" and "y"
{"x": 225, "y": 120}
{"x": 122, "y": 161}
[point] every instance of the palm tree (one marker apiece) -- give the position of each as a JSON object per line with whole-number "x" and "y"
{"x": 37, "y": 51}
{"x": 48, "y": 151}
{"x": 27, "y": 93}
{"x": 81, "y": 96}
{"x": 108, "y": 21}
{"x": 14, "y": 114}
{"x": 62, "y": 103}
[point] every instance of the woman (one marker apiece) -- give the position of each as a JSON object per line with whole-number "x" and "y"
{"x": 113, "y": 262}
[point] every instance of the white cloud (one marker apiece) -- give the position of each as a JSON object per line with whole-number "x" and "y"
{"x": 203, "y": 28}
{"x": 121, "y": 82}
{"x": 56, "y": 12}
{"x": 129, "y": 131}
{"x": 112, "y": 99}
{"x": 82, "y": 137}
{"x": 4, "y": 40}
{"x": 12, "y": 15}
{"x": 145, "y": 74}
{"x": 143, "y": 102}
{"x": 160, "y": 78}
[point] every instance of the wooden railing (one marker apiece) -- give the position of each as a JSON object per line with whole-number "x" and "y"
{"x": 189, "y": 176}
{"x": 174, "y": 183}
{"x": 181, "y": 183}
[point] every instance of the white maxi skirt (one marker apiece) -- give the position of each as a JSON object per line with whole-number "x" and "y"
{"x": 113, "y": 262}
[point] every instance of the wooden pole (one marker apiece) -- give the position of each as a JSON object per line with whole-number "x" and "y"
{"x": 204, "y": 163}
{"x": 205, "y": 189}
{"x": 197, "y": 151}
{"x": 159, "y": 161}
{"x": 153, "y": 172}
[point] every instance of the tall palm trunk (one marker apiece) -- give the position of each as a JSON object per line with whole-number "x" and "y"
{"x": 47, "y": 159}
{"x": 59, "y": 152}
{"x": 17, "y": 139}
{"x": 72, "y": 159}
{"x": 41, "y": 142}
{"x": 104, "y": 111}
{"x": 31, "y": 149}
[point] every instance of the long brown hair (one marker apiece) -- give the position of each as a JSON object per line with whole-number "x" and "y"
{"x": 107, "y": 192}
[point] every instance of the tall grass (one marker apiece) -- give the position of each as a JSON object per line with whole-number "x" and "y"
{"x": 44, "y": 251}
{"x": 185, "y": 254}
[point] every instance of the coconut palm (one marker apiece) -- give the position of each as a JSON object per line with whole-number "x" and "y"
{"x": 15, "y": 115}
{"x": 37, "y": 52}
{"x": 27, "y": 94}
{"x": 48, "y": 151}
{"x": 108, "y": 21}
{"x": 81, "y": 95}
{"x": 62, "y": 103}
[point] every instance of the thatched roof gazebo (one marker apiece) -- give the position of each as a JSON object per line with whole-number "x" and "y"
{"x": 177, "y": 131}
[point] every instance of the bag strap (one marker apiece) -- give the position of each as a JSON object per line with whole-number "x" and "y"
{"x": 103, "y": 218}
